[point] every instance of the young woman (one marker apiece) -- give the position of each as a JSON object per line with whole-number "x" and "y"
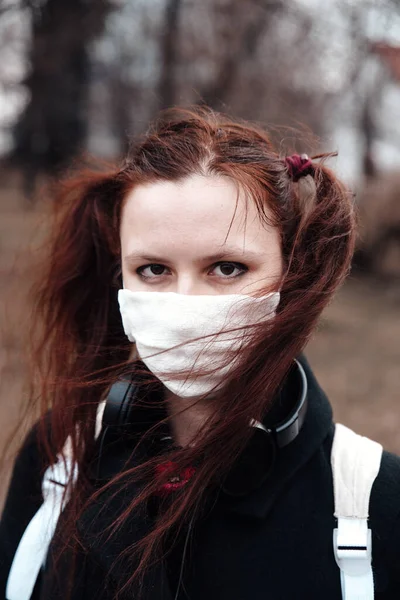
{"x": 184, "y": 438}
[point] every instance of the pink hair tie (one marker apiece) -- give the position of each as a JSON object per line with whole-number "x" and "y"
{"x": 299, "y": 166}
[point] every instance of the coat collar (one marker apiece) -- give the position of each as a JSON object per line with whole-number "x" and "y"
{"x": 290, "y": 459}
{"x": 95, "y": 522}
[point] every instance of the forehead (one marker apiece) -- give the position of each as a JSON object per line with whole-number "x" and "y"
{"x": 197, "y": 211}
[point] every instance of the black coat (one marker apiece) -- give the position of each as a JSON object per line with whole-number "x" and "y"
{"x": 274, "y": 543}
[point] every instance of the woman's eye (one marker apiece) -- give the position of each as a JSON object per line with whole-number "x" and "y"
{"x": 223, "y": 270}
{"x": 151, "y": 271}
{"x": 229, "y": 270}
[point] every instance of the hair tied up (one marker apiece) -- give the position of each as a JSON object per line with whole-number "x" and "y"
{"x": 299, "y": 165}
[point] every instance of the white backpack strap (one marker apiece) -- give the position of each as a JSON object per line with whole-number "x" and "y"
{"x": 355, "y": 464}
{"x": 32, "y": 549}
{"x": 34, "y": 544}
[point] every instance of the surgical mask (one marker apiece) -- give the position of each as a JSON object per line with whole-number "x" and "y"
{"x": 179, "y": 334}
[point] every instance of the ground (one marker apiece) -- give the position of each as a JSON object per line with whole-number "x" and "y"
{"x": 356, "y": 356}
{"x": 355, "y": 352}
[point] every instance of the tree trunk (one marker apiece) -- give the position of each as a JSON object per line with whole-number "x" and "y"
{"x": 52, "y": 129}
{"x": 169, "y": 51}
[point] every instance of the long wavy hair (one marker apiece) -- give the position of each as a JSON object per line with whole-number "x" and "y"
{"x": 80, "y": 346}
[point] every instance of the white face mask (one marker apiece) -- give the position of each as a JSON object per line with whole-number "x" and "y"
{"x": 158, "y": 322}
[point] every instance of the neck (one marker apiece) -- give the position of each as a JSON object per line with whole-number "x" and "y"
{"x": 188, "y": 416}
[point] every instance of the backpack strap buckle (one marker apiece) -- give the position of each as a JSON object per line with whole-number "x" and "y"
{"x": 352, "y": 547}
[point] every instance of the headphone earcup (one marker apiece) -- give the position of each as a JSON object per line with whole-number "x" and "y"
{"x": 119, "y": 405}
{"x": 117, "y": 414}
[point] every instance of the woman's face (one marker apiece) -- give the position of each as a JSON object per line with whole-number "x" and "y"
{"x": 196, "y": 236}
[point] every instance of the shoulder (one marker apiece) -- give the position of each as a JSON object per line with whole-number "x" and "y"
{"x": 384, "y": 502}
{"x": 28, "y": 469}
{"x": 384, "y": 521}
{"x": 23, "y": 499}
{"x": 385, "y": 495}
{"x": 387, "y": 484}
{"x": 385, "y": 499}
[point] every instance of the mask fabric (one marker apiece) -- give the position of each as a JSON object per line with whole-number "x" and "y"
{"x": 164, "y": 326}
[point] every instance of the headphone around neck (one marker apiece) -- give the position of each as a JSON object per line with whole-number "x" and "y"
{"x": 125, "y": 414}
{"x": 120, "y": 407}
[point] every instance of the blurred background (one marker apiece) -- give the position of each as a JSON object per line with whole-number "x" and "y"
{"x": 81, "y": 77}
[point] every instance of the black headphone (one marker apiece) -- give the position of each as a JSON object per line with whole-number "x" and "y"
{"x": 126, "y": 414}
{"x": 286, "y": 431}
{"x": 123, "y": 414}
{"x": 119, "y": 403}
{"x": 120, "y": 406}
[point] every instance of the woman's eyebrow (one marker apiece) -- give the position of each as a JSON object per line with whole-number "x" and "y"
{"x": 138, "y": 256}
{"x": 228, "y": 252}
{"x": 231, "y": 252}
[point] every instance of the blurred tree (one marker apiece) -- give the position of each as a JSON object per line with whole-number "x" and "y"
{"x": 286, "y": 63}
{"x": 125, "y": 77}
{"x": 364, "y": 81}
{"x": 52, "y": 128}
{"x": 241, "y": 47}
{"x": 169, "y": 54}
{"x": 259, "y": 59}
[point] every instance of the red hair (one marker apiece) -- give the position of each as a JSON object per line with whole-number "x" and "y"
{"x": 81, "y": 347}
